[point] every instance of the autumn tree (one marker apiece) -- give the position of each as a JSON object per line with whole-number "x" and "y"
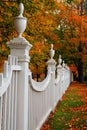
{"x": 6, "y": 17}
{"x": 50, "y": 22}
{"x": 41, "y": 22}
{"x": 71, "y": 31}
{"x": 39, "y": 57}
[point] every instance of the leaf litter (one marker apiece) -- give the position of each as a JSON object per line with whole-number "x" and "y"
{"x": 71, "y": 112}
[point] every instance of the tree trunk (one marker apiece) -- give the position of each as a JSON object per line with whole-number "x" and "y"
{"x": 80, "y": 72}
{"x": 45, "y": 72}
{"x": 38, "y": 76}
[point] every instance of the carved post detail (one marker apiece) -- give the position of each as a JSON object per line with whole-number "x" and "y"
{"x": 52, "y": 68}
{"x": 20, "y": 48}
{"x": 59, "y": 67}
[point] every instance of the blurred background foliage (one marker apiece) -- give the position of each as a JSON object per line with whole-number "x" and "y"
{"x": 48, "y": 22}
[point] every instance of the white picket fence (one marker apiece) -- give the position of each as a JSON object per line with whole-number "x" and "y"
{"x": 24, "y": 103}
{"x": 45, "y": 95}
{"x": 8, "y": 94}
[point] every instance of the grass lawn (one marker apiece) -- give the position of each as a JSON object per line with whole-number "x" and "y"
{"x": 71, "y": 112}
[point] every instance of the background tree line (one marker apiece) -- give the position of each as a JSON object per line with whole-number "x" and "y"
{"x": 49, "y": 22}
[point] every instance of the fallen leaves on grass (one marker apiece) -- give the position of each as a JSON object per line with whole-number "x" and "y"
{"x": 71, "y": 112}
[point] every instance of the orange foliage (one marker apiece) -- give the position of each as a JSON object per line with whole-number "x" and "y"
{"x": 38, "y": 55}
{"x": 72, "y": 68}
{"x": 3, "y": 47}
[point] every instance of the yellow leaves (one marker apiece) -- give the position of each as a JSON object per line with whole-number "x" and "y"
{"x": 38, "y": 55}
{"x": 9, "y": 14}
{"x": 3, "y": 47}
{"x": 7, "y": 3}
{"x": 38, "y": 47}
{"x": 49, "y": 22}
{"x": 10, "y": 3}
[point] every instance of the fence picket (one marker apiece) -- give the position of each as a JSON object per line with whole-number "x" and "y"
{"x": 15, "y": 101}
{"x": 4, "y": 111}
{"x": 9, "y": 108}
{"x": 0, "y": 113}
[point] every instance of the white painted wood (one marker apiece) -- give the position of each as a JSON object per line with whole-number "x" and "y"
{"x": 15, "y": 101}
{"x": 10, "y": 60}
{"x": 6, "y": 81}
{"x": 40, "y": 86}
{"x": 0, "y": 113}
{"x": 16, "y": 61}
{"x": 30, "y": 99}
{"x": 5, "y": 70}
{"x": 1, "y": 80}
{"x": 7, "y": 116}
{"x": 12, "y": 101}
{"x": 43, "y": 101}
{"x": 4, "y": 111}
{"x": 20, "y": 48}
{"x": 9, "y": 109}
{"x": 43, "y": 120}
{"x": 20, "y": 21}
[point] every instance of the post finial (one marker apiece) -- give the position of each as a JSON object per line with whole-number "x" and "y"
{"x": 51, "y": 46}
{"x": 60, "y": 60}
{"x": 63, "y": 63}
{"x": 21, "y": 9}
{"x": 52, "y": 52}
{"x": 20, "y": 21}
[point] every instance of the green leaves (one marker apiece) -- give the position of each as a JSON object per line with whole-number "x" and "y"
{"x": 69, "y": 1}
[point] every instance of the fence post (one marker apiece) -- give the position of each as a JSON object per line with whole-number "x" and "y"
{"x": 20, "y": 48}
{"x": 1, "y": 84}
{"x": 60, "y": 73}
{"x": 51, "y": 66}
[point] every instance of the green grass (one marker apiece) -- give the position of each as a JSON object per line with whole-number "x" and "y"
{"x": 71, "y": 103}
{"x": 72, "y": 96}
{"x": 65, "y": 118}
